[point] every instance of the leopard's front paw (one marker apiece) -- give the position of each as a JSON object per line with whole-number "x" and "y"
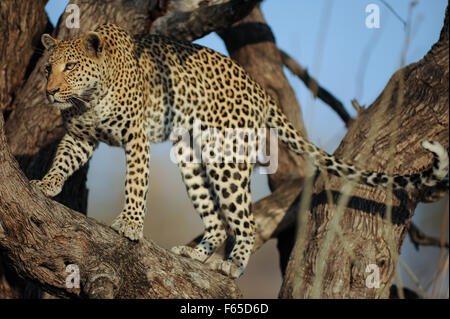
{"x": 50, "y": 187}
{"x": 129, "y": 228}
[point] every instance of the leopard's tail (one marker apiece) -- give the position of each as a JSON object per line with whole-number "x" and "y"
{"x": 436, "y": 174}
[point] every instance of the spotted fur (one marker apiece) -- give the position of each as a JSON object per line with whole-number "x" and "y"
{"x": 131, "y": 91}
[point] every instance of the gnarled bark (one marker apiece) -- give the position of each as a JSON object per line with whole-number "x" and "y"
{"x": 22, "y": 23}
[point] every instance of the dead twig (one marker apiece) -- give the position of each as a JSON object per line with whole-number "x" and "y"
{"x": 314, "y": 86}
{"x": 419, "y": 238}
{"x": 357, "y": 107}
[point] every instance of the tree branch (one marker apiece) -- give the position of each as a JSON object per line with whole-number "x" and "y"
{"x": 195, "y": 21}
{"x": 315, "y": 88}
{"x": 419, "y": 238}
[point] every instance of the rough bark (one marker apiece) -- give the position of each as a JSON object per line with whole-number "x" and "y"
{"x": 190, "y": 20}
{"x": 413, "y": 107}
{"x": 22, "y": 23}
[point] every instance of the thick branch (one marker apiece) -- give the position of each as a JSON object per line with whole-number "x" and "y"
{"x": 190, "y": 20}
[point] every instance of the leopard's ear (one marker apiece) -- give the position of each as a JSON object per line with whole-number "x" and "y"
{"x": 93, "y": 44}
{"x": 48, "y": 41}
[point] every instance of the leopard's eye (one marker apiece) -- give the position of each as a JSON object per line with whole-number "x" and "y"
{"x": 70, "y": 66}
{"x": 48, "y": 69}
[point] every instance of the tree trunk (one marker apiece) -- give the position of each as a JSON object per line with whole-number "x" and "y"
{"x": 335, "y": 249}
{"x": 22, "y": 23}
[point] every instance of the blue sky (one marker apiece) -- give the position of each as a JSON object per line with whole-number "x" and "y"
{"x": 330, "y": 39}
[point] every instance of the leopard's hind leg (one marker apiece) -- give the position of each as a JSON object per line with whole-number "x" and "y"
{"x": 198, "y": 188}
{"x": 231, "y": 183}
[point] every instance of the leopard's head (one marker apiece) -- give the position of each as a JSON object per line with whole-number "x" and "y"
{"x": 74, "y": 70}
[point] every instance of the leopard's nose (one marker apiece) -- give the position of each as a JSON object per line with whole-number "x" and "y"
{"x": 52, "y": 91}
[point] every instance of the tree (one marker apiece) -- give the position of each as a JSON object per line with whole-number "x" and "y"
{"x": 40, "y": 238}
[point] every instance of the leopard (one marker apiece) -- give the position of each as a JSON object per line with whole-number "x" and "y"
{"x": 132, "y": 91}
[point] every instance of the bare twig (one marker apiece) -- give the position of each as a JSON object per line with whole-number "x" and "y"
{"x": 413, "y": 277}
{"x": 419, "y": 238}
{"x": 317, "y": 90}
{"x": 394, "y": 12}
{"x": 357, "y": 107}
